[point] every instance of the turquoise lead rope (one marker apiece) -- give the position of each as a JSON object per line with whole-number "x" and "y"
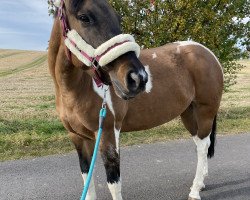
{"x": 102, "y": 115}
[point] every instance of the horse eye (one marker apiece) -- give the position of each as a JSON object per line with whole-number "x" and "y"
{"x": 84, "y": 18}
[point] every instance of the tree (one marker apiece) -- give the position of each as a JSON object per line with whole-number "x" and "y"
{"x": 217, "y": 24}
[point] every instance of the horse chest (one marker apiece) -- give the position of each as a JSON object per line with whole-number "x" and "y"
{"x": 80, "y": 115}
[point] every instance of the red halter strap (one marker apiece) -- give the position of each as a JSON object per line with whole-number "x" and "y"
{"x": 110, "y": 48}
{"x": 65, "y": 30}
{"x": 94, "y": 60}
{"x": 65, "y": 27}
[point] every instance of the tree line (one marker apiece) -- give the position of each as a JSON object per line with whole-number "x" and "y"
{"x": 220, "y": 25}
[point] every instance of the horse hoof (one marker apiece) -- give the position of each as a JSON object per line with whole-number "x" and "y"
{"x": 190, "y": 198}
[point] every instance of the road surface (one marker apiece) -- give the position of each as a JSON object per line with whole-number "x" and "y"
{"x": 160, "y": 171}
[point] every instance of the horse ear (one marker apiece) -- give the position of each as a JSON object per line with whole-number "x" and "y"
{"x": 57, "y": 3}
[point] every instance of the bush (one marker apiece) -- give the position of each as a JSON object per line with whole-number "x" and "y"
{"x": 220, "y": 25}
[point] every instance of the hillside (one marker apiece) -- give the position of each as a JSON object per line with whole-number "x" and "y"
{"x": 26, "y": 83}
{"x": 29, "y": 125}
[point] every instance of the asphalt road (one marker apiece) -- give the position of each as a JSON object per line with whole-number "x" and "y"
{"x": 149, "y": 172}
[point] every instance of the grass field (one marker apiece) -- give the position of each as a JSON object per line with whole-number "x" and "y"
{"x": 30, "y": 127}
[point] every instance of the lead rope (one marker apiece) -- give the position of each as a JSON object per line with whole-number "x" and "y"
{"x": 102, "y": 116}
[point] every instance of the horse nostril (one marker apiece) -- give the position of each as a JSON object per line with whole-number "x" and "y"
{"x": 136, "y": 82}
{"x": 144, "y": 76}
{"x": 133, "y": 80}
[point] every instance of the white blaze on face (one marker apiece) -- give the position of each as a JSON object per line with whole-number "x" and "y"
{"x": 116, "y": 190}
{"x": 149, "y": 84}
{"x": 91, "y": 195}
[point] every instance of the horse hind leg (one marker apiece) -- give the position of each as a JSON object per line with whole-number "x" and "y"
{"x": 84, "y": 148}
{"x": 189, "y": 119}
{"x": 206, "y": 120}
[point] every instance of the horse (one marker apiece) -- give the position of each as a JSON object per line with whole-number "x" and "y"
{"x": 178, "y": 79}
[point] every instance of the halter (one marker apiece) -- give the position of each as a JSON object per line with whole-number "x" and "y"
{"x": 87, "y": 54}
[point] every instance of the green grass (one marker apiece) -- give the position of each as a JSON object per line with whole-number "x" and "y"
{"x": 234, "y": 120}
{"x": 38, "y": 126}
{"x": 39, "y": 137}
{"x": 30, "y": 144}
{"x": 29, "y": 125}
{"x": 32, "y": 137}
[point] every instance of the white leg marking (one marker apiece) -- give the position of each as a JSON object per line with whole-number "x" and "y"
{"x": 117, "y": 137}
{"x": 91, "y": 195}
{"x": 149, "y": 84}
{"x": 100, "y": 92}
{"x": 116, "y": 190}
{"x": 154, "y": 55}
{"x": 202, "y": 168}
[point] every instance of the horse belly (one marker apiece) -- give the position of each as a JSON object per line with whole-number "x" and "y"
{"x": 156, "y": 108}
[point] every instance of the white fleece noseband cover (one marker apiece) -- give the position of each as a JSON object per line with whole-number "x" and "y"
{"x": 105, "y": 53}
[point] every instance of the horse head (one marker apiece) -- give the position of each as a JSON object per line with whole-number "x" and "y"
{"x": 93, "y": 34}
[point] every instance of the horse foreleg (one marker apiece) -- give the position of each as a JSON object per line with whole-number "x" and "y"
{"x": 84, "y": 149}
{"x": 202, "y": 167}
{"x": 111, "y": 159}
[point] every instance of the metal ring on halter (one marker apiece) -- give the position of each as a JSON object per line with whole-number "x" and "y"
{"x": 95, "y": 64}
{"x": 104, "y": 103}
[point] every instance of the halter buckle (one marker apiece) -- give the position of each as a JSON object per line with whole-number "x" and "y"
{"x": 105, "y": 89}
{"x": 95, "y": 64}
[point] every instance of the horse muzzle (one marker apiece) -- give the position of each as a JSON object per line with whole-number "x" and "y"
{"x": 134, "y": 83}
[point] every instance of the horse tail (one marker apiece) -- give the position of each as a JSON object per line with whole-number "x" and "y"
{"x": 210, "y": 153}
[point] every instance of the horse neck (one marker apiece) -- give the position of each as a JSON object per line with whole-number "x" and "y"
{"x": 74, "y": 80}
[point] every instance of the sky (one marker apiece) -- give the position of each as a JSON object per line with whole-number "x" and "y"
{"x": 24, "y": 24}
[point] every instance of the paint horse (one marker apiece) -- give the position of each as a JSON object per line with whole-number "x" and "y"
{"x": 179, "y": 79}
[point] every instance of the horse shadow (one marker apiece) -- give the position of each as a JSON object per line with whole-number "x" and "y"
{"x": 226, "y": 190}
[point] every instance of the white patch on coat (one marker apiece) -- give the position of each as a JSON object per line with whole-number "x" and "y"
{"x": 91, "y": 195}
{"x": 178, "y": 51}
{"x": 186, "y": 43}
{"x": 100, "y": 92}
{"x": 202, "y": 168}
{"x": 115, "y": 190}
{"x": 149, "y": 84}
{"x": 154, "y": 55}
{"x": 117, "y": 138}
